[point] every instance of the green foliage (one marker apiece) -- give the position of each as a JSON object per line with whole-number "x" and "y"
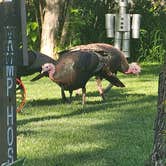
{"x": 87, "y": 21}
{"x": 32, "y": 29}
{"x": 87, "y": 25}
{"x": 152, "y": 50}
{"x": 152, "y": 43}
{"x": 51, "y": 133}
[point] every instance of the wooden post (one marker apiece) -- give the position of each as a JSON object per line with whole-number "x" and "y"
{"x": 8, "y": 52}
{"x": 23, "y": 30}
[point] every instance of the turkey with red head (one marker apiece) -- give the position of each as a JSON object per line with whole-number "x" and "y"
{"x": 74, "y": 69}
{"x": 115, "y": 58}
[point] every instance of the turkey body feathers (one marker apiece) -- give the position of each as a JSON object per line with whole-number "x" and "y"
{"x": 75, "y": 69}
{"x": 116, "y": 58}
{"x": 72, "y": 71}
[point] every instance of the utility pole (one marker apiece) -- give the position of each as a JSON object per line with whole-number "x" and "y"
{"x": 9, "y": 55}
{"x": 120, "y": 25}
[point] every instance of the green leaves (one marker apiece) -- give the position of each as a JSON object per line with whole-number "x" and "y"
{"x": 33, "y": 35}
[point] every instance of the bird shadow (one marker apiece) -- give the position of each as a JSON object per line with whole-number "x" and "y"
{"x": 91, "y": 106}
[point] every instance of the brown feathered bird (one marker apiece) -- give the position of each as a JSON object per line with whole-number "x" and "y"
{"x": 116, "y": 60}
{"x": 74, "y": 69}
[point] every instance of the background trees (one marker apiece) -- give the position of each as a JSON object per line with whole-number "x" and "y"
{"x": 73, "y": 22}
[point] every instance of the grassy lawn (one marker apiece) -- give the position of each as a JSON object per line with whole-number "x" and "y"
{"x": 117, "y": 132}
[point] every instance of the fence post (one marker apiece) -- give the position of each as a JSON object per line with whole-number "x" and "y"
{"x": 8, "y": 54}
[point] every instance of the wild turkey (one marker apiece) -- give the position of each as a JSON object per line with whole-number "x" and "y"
{"x": 115, "y": 57}
{"x": 74, "y": 69}
{"x": 36, "y": 60}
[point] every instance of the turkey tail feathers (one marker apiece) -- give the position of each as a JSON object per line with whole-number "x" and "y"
{"x": 114, "y": 80}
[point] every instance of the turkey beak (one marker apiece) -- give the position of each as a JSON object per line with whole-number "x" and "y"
{"x": 39, "y": 76}
{"x": 128, "y": 72}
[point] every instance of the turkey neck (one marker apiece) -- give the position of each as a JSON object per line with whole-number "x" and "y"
{"x": 51, "y": 73}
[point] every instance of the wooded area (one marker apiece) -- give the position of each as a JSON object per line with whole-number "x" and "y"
{"x": 58, "y": 24}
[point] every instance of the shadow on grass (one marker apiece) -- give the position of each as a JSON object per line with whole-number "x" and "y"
{"x": 45, "y": 102}
{"x": 26, "y": 132}
{"x": 114, "y": 148}
{"x": 91, "y": 106}
{"x": 125, "y": 141}
{"x": 118, "y": 93}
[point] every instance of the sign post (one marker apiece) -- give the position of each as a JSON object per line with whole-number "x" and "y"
{"x": 9, "y": 47}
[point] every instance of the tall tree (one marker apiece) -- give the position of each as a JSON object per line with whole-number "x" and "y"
{"x": 53, "y": 18}
{"x": 158, "y": 156}
{"x": 50, "y": 26}
{"x": 65, "y": 26}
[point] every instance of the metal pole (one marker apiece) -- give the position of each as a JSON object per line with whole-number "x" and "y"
{"x": 122, "y": 27}
{"x": 23, "y": 30}
{"x": 8, "y": 52}
{"x": 119, "y": 27}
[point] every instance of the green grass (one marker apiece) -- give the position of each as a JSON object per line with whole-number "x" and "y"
{"x": 117, "y": 132}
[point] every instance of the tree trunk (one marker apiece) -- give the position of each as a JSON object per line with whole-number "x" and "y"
{"x": 65, "y": 27}
{"x": 158, "y": 156}
{"x": 50, "y": 26}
